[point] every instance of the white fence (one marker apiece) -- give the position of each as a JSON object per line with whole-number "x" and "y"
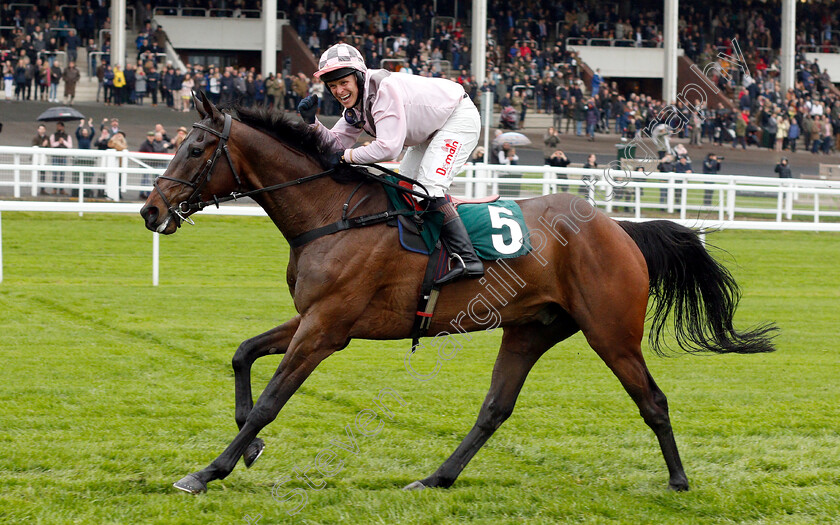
{"x": 717, "y": 201}
{"x": 121, "y": 175}
{"x": 33, "y": 171}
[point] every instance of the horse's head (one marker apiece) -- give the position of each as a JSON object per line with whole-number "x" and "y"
{"x": 202, "y": 168}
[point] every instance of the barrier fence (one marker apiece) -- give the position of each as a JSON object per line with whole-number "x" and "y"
{"x": 716, "y": 201}
{"x": 121, "y": 175}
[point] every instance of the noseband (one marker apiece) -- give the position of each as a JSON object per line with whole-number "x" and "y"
{"x": 200, "y": 181}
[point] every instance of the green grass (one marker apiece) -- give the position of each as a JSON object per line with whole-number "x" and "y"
{"x": 112, "y": 389}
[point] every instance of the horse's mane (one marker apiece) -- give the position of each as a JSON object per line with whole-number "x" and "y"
{"x": 292, "y": 132}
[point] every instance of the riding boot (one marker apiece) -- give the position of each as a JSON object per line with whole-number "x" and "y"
{"x": 454, "y": 236}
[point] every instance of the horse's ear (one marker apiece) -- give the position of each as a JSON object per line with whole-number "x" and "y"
{"x": 205, "y": 107}
{"x": 198, "y": 101}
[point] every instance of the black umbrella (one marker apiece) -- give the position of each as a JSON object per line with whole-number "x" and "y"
{"x": 60, "y": 114}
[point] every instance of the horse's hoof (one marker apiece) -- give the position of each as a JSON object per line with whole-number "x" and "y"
{"x": 253, "y": 452}
{"x": 678, "y": 486}
{"x": 417, "y": 485}
{"x": 191, "y": 484}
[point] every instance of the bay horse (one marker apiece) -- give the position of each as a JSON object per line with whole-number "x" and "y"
{"x": 586, "y": 272}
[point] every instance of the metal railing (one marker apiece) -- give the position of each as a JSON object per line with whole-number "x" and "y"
{"x": 441, "y": 66}
{"x": 718, "y": 197}
{"x": 448, "y": 21}
{"x": 101, "y": 38}
{"x": 611, "y": 42}
{"x": 62, "y": 55}
{"x": 386, "y": 62}
{"x": 92, "y": 63}
{"x": 808, "y": 48}
{"x": 213, "y": 12}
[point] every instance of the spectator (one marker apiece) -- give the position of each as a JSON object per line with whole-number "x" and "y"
{"x": 551, "y": 140}
{"x": 711, "y": 166}
{"x": 226, "y": 88}
{"x": 140, "y": 83}
{"x": 129, "y": 93}
{"x": 180, "y": 135}
{"x": 20, "y": 78}
{"x": 114, "y": 127}
{"x": 260, "y": 92}
{"x": 43, "y": 79}
{"x": 60, "y": 139}
{"x": 683, "y": 165}
{"x": 508, "y": 157}
{"x": 273, "y": 90}
{"x": 240, "y": 88}
{"x": 119, "y": 85}
{"x": 783, "y": 169}
{"x": 84, "y": 139}
{"x": 72, "y": 44}
{"x": 55, "y": 78}
{"x": 741, "y": 121}
{"x": 300, "y": 86}
{"x": 84, "y": 134}
{"x": 8, "y": 80}
{"x": 185, "y": 92}
{"x": 591, "y": 163}
{"x": 41, "y": 140}
{"x": 793, "y": 134}
{"x": 666, "y": 165}
{"x": 596, "y": 82}
{"x": 579, "y": 113}
{"x": 101, "y": 143}
{"x": 148, "y": 145}
{"x": 71, "y": 76}
{"x": 153, "y": 85}
{"x": 558, "y": 159}
{"x": 519, "y": 104}
{"x": 592, "y": 114}
{"x": 160, "y": 145}
{"x": 782, "y": 127}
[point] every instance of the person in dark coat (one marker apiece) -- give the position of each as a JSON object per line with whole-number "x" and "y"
{"x": 152, "y": 85}
{"x": 783, "y": 169}
{"x": 711, "y": 166}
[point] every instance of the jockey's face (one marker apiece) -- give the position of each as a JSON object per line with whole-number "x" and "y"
{"x": 345, "y": 90}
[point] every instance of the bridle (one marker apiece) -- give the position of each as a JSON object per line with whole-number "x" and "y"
{"x": 198, "y": 183}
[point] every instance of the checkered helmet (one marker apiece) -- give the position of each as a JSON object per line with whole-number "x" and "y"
{"x": 340, "y": 57}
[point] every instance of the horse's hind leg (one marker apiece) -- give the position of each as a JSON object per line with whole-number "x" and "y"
{"x": 274, "y": 341}
{"x": 627, "y": 363}
{"x": 521, "y": 347}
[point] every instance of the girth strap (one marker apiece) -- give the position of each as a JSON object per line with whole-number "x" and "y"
{"x": 345, "y": 224}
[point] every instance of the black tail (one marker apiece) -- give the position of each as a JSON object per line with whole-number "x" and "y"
{"x": 701, "y": 292}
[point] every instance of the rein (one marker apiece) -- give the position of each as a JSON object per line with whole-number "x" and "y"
{"x": 194, "y": 202}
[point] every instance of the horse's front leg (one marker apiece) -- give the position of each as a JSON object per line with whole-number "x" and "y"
{"x": 274, "y": 341}
{"x": 311, "y": 344}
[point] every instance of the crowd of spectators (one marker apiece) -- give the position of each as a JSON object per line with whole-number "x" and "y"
{"x": 39, "y": 46}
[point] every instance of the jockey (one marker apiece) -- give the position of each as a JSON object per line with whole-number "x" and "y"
{"x": 433, "y": 117}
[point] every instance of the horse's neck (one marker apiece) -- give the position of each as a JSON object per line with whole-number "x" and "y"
{"x": 299, "y": 208}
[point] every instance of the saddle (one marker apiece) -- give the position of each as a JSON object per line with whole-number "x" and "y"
{"x": 419, "y": 233}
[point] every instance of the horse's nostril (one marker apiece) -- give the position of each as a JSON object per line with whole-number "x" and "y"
{"x": 150, "y": 214}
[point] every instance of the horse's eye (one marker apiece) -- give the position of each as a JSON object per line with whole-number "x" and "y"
{"x": 196, "y": 152}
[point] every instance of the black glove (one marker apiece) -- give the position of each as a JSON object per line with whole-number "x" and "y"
{"x": 335, "y": 159}
{"x": 307, "y": 108}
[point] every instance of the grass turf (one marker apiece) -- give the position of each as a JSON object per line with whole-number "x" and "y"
{"x": 112, "y": 389}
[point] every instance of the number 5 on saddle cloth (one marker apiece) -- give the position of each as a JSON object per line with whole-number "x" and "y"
{"x": 497, "y": 230}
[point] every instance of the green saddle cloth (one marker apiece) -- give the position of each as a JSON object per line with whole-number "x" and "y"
{"x": 497, "y": 229}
